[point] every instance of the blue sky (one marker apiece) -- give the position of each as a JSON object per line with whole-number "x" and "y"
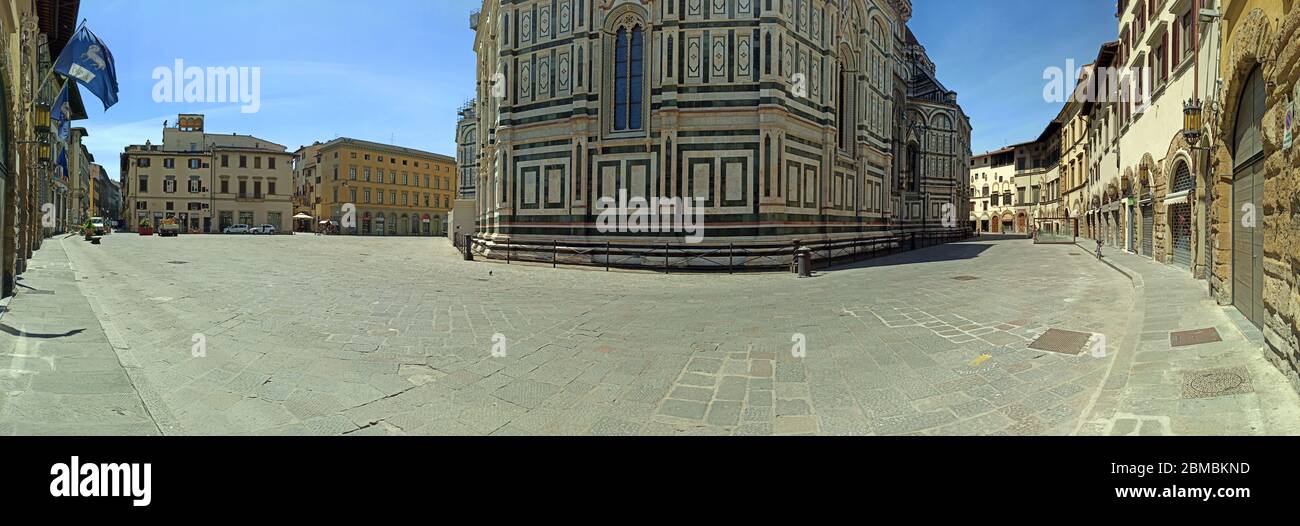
{"x": 392, "y": 72}
{"x": 397, "y": 72}
{"x": 993, "y": 53}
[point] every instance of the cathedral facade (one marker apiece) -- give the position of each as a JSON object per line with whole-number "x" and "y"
{"x": 783, "y": 119}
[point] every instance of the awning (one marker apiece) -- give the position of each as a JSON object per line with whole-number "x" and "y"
{"x": 302, "y": 216}
{"x": 1177, "y": 197}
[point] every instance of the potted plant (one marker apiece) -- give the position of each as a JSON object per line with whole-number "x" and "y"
{"x": 88, "y": 230}
{"x": 145, "y": 228}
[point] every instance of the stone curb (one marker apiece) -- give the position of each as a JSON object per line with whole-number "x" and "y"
{"x": 1107, "y": 395}
{"x": 150, "y": 397}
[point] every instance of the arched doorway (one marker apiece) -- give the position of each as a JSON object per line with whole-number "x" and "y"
{"x": 379, "y": 224}
{"x": 405, "y": 225}
{"x": 1247, "y": 193}
{"x": 1180, "y": 217}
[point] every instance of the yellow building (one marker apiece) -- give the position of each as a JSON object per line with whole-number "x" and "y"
{"x": 1073, "y": 167}
{"x": 206, "y": 181}
{"x": 391, "y": 190}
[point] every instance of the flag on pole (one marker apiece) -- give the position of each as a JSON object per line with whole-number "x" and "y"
{"x": 61, "y": 113}
{"x": 88, "y": 60}
{"x": 62, "y": 164}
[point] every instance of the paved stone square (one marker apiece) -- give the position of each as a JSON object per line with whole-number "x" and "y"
{"x": 340, "y": 335}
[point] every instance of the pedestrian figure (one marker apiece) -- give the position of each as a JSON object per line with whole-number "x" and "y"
{"x": 1098, "y": 249}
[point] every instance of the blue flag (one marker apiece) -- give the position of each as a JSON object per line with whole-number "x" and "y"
{"x": 63, "y": 164}
{"x": 61, "y": 113}
{"x": 88, "y": 60}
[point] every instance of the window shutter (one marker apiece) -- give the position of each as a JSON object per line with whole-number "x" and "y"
{"x": 1176, "y": 51}
{"x": 1145, "y": 82}
{"x": 1165, "y": 54}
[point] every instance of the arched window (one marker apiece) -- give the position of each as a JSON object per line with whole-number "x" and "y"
{"x": 1183, "y": 178}
{"x": 629, "y": 72}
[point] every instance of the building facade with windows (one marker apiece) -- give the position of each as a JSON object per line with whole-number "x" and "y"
{"x": 786, "y": 119}
{"x": 206, "y": 181}
{"x": 1160, "y": 184}
{"x": 466, "y": 151}
{"x": 82, "y": 165}
{"x": 32, "y": 191}
{"x": 107, "y": 196}
{"x": 394, "y": 191}
{"x": 1102, "y": 154}
{"x": 1073, "y": 167}
{"x": 1037, "y": 179}
{"x": 993, "y": 191}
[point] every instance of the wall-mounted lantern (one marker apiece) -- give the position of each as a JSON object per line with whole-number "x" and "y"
{"x": 1192, "y": 119}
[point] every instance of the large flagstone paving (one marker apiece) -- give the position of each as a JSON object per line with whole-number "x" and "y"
{"x": 341, "y": 335}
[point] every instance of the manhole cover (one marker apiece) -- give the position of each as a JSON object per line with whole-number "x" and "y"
{"x": 178, "y": 262}
{"x": 965, "y": 278}
{"x": 1194, "y": 337}
{"x": 1212, "y": 383}
{"x": 1061, "y": 341}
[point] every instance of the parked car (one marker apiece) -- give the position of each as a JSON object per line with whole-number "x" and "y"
{"x": 99, "y": 226}
{"x": 262, "y": 229}
{"x": 236, "y": 229}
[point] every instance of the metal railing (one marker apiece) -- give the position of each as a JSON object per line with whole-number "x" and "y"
{"x": 732, "y": 257}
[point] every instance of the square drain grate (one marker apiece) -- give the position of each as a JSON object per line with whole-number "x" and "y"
{"x": 1194, "y": 337}
{"x": 965, "y": 278}
{"x": 1212, "y": 383}
{"x": 1061, "y": 341}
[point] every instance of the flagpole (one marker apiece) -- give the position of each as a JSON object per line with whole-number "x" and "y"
{"x": 50, "y": 73}
{"x": 44, "y": 82}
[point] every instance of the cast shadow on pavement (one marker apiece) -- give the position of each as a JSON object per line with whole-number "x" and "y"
{"x": 44, "y": 336}
{"x": 957, "y": 251}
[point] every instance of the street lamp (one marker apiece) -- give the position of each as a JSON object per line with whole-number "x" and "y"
{"x": 1192, "y": 120}
{"x": 42, "y": 121}
{"x": 43, "y": 136}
